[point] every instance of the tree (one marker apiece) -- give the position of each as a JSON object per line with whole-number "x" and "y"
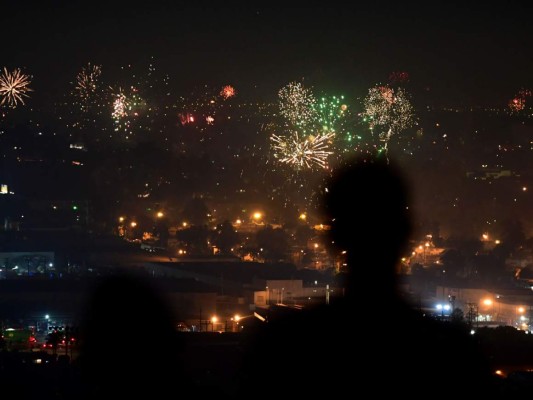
{"x": 54, "y": 338}
{"x": 274, "y": 243}
{"x": 225, "y": 237}
{"x": 512, "y": 237}
{"x": 454, "y": 262}
{"x": 303, "y": 234}
{"x": 194, "y": 238}
{"x": 196, "y": 211}
{"x": 161, "y": 231}
{"x": 457, "y": 316}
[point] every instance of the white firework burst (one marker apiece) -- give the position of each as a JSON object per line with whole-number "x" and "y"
{"x": 14, "y": 87}
{"x": 309, "y": 152}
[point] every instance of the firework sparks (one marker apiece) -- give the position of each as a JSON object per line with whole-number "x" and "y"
{"x": 518, "y": 103}
{"x": 329, "y": 111}
{"x": 227, "y": 92}
{"x": 186, "y": 118}
{"x": 308, "y": 152}
{"x": 87, "y": 81}
{"x": 13, "y": 87}
{"x": 297, "y": 105}
{"x": 389, "y": 109}
{"x": 120, "y": 106}
{"x": 399, "y": 77}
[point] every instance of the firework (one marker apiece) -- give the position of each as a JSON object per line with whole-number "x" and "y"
{"x": 13, "y": 87}
{"x": 186, "y": 118}
{"x": 329, "y": 111}
{"x": 120, "y": 106}
{"x": 227, "y": 92}
{"x": 389, "y": 109}
{"x": 87, "y": 81}
{"x": 524, "y": 93}
{"x": 309, "y": 152}
{"x": 399, "y": 77}
{"x": 387, "y": 93}
{"x": 519, "y": 102}
{"x": 297, "y": 105}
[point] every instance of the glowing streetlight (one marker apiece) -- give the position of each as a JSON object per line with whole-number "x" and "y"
{"x": 257, "y": 216}
{"x": 443, "y": 308}
{"x": 160, "y": 214}
{"x": 133, "y": 224}
{"x": 303, "y": 216}
{"x": 120, "y": 219}
{"x": 184, "y": 224}
{"x": 214, "y": 320}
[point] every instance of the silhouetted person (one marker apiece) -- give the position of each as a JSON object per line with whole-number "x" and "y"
{"x": 371, "y": 341}
{"x": 130, "y": 347}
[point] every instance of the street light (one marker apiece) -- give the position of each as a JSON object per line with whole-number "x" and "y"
{"x": 489, "y": 307}
{"x": 236, "y": 318}
{"x": 257, "y": 216}
{"x": 443, "y": 308}
{"x": 521, "y": 318}
{"x": 213, "y": 322}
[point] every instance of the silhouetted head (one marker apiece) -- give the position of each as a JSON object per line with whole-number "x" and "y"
{"x": 367, "y": 205}
{"x": 129, "y": 343}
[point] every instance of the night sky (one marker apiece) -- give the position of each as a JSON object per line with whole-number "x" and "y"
{"x": 463, "y": 54}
